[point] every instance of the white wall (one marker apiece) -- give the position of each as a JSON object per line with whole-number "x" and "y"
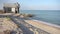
{"x": 13, "y": 10}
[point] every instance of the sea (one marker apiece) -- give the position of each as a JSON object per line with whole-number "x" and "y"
{"x": 49, "y": 16}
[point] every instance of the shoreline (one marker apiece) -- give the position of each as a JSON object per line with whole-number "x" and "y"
{"x": 49, "y": 24}
{"x": 47, "y": 28}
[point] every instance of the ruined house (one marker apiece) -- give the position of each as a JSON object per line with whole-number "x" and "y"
{"x": 11, "y": 8}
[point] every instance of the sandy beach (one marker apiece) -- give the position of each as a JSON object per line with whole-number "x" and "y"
{"x": 45, "y": 27}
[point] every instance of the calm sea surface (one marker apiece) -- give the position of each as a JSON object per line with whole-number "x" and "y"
{"x": 49, "y": 16}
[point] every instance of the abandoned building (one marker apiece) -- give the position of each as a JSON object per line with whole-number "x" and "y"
{"x": 11, "y": 8}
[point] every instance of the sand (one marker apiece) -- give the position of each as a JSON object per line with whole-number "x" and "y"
{"x": 45, "y": 27}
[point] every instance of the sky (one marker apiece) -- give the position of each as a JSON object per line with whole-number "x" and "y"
{"x": 34, "y": 4}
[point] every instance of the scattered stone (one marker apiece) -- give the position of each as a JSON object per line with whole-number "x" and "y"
{"x": 17, "y": 31}
{"x": 7, "y": 32}
{"x": 9, "y": 27}
{"x": 2, "y": 33}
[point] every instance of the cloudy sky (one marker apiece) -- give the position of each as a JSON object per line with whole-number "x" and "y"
{"x": 35, "y": 4}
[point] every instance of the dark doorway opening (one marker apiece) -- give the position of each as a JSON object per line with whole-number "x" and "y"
{"x": 16, "y": 12}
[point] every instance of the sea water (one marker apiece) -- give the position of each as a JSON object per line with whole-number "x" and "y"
{"x": 49, "y": 16}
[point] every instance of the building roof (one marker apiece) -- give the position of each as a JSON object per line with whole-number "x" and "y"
{"x": 14, "y": 5}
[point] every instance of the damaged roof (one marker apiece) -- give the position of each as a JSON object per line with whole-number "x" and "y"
{"x": 14, "y": 5}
